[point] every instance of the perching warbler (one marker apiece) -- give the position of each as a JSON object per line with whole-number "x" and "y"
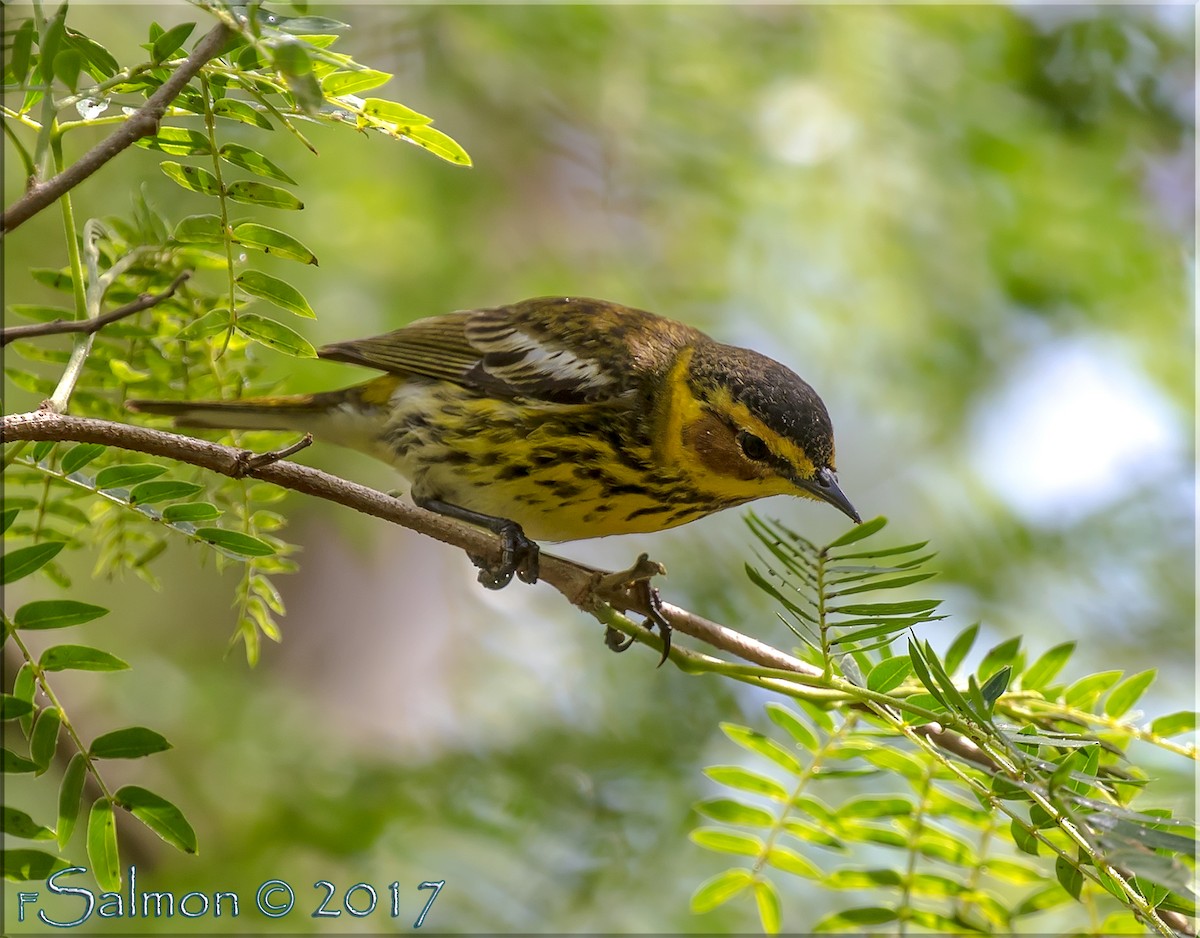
{"x": 562, "y": 418}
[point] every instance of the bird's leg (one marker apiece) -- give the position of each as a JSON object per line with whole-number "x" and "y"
{"x": 637, "y": 579}
{"x": 518, "y": 554}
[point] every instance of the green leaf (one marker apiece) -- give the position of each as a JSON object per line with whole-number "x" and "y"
{"x": 889, "y": 674}
{"x": 762, "y": 745}
{"x": 132, "y": 742}
{"x": 20, "y": 54}
{"x": 178, "y": 141}
{"x": 857, "y": 533}
{"x": 393, "y": 112}
{"x": 192, "y": 511}
{"x": 39, "y": 313}
{"x": 79, "y": 456}
{"x": 872, "y": 806}
{"x": 791, "y": 862}
{"x": 48, "y": 43}
{"x": 1003, "y": 654}
{"x": 908, "y": 607}
{"x": 1069, "y": 876}
{"x": 170, "y": 41}
{"x": 56, "y": 614}
{"x": 70, "y": 793}
{"x": 259, "y": 193}
{"x": 1024, "y": 839}
{"x": 102, "y": 845}
{"x": 277, "y": 291}
{"x": 960, "y": 648}
{"x": 162, "y": 490}
{"x": 130, "y": 474}
{"x": 11, "y": 763}
{"x": 1174, "y": 723}
{"x": 23, "y": 689}
{"x": 79, "y": 658}
{"x": 159, "y": 815}
{"x": 292, "y": 61}
{"x": 43, "y": 742}
{"x": 19, "y": 824}
{"x": 126, "y": 373}
{"x": 785, "y": 719}
{"x": 67, "y": 64}
{"x": 1128, "y": 692}
{"x": 275, "y": 335}
{"x": 253, "y": 161}
{"x": 356, "y": 82}
{"x": 299, "y": 25}
{"x": 1046, "y": 668}
{"x": 1087, "y": 690}
{"x": 766, "y": 896}
{"x": 744, "y": 780}
{"x": 439, "y": 144}
{"x": 98, "y": 61}
{"x": 888, "y": 584}
{"x": 719, "y": 889}
{"x": 191, "y": 177}
{"x": 723, "y": 841}
{"x": 199, "y": 229}
{"x": 212, "y": 322}
{"x": 26, "y": 560}
{"x": 7, "y": 518}
{"x": 729, "y": 811}
{"x": 233, "y": 109}
{"x": 28, "y": 865}
{"x": 244, "y": 545}
{"x": 273, "y": 241}
{"x": 854, "y": 919}
{"x": 12, "y": 707}
{"x": 996, "y": 685}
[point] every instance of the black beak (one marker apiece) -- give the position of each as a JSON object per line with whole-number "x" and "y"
{"x": 825, "y": 487}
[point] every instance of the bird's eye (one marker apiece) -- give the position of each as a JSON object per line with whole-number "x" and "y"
{"x": 752, "y": 446}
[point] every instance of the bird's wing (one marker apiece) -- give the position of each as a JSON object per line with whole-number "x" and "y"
{"x": 558, "y": 350}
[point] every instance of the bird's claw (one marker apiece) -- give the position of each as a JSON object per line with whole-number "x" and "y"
{"x": 637, "y": 578}
{"x": 518, "y": 555}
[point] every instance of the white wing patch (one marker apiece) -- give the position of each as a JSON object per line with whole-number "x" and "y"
{"x": 523, "y": 362}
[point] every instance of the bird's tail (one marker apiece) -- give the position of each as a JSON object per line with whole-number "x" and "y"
{"x": 294, "y": 412}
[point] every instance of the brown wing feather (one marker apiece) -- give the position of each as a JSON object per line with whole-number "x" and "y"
{"x": 436, "y": 347}
{"x": 556, "y": 349}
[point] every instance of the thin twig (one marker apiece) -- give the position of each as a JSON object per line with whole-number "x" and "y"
{"x": 89, "y": 326}
{"x": 142, "y": 123}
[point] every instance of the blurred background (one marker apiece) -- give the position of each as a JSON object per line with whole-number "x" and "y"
{"x": 970, "y": 228}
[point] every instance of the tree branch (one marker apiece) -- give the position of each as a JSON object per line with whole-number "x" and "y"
{"x": 88, "y": 326}
{"x": 142, "y": 123}
{"x": 584, "y": 586}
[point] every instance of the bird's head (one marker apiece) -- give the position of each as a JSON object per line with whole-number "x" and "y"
{"x": 744, "y": 426}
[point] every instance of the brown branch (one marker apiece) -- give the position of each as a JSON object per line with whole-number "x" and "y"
{"x": 88, "y": 326}
{"x": 582, "y": 585}
{"x": 142, "y": 123}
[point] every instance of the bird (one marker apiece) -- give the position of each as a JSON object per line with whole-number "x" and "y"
{"x": 561, "y": 418}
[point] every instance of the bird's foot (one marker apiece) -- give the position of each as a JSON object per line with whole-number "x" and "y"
{"x": 636, "y": 580}
{"x": 518, "y": 554}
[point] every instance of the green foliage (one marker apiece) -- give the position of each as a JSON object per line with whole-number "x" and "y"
{"x": 277, "y": 72}
{"x": 984, "y": 789}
